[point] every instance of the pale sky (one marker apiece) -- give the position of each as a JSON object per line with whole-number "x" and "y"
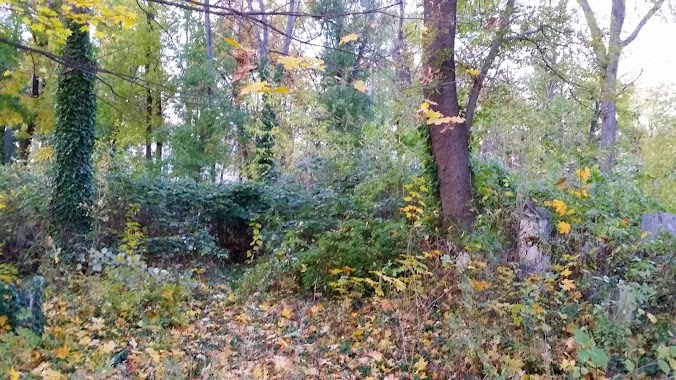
{"x": 651, "y": 57}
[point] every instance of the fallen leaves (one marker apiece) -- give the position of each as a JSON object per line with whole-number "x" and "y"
{"x": 360, "y": 86}
{"x": 563, "y": 227}
{"x": 583, "y": 174}
{"x": 568, "y": 284}
{"x": 286, "y": 313}
{"x": 14, "y": 374}
{"x": 61, "y": 352}
{"x": 480, "y": 286}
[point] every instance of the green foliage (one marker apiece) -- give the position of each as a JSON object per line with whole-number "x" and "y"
{"x": 23, "y": 220}
{"x": 21, "y": 306}
{"x": 73, "y": 190}
{"x": 134, "y": 294}
{"x": 357, "y": 247}
{"x": 184, "y": 218}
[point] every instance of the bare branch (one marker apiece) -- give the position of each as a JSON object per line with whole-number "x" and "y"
{"x": 642, "y": 23}
{"x": 488, "y": 63}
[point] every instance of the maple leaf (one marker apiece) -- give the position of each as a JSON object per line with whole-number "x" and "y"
{"x": 286, "y": 313}
{"x": 316, "y": 309}
{"x": 473, "y": 72}
{"x": 537, "y": 309}
{"x": 480, "y": 286}
{"x": 559, "y": 206}
{"x": 583, "y": 174}
{"x": 568, "y": 365}
{"x": 154, "y": 355}
{"x": 14, "y": 374}
{"x": 108, "y": 347}
{"x": 360, "y": 86}
{"x": 420, "y": 365}
{"x": 233, "y": 43}
{"x": 563, "y": 228}
{"x": 61, "y": 352}
{"x": 290, "y": 62}
{"x": 348, "y": 38}
{"x": 254, "y": 88}
{"x": 568, "y": 284}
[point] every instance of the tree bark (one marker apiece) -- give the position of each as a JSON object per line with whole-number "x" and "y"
{"x": 159, "y": 144}
{"x": 149, "y": 94}
{"x": 608, "y": 60}
{"x": 25, "y": 143}
{"x": 403, "y": 72}
{"x": 450, "y": 148}
{"x": 208, "y": 34}
{"x": 290, "y": 22}
{"x": 7, "y": 146}
{"x": 450, "y": 143}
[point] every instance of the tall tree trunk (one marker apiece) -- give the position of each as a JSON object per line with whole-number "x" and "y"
{"x": 403, "y": 72}
{"x": 450, "y": 148}
{"x": 149, "y": 125}
{"x": 450, "y": 143}
{"x": 160, "y": 144}
{"x": 608, "y": 105}
{"x": 594, "y": 124}
{"x": 25, "y": 143}
{"x": 149, "y": 94}
{"x": 290, "y": 21}
{"x": 7, "y": 146}
{"x": 608, "y": 60}
{"x": 208, "y": 34}
{"x": 75, "y": 104}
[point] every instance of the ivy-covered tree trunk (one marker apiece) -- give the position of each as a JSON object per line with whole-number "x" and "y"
{"x": 72, "y": 192}
{"x": 265, "y": 141}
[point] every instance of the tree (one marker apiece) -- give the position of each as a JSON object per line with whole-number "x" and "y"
{"x": 608, "y": 59}
{"x": 450, "y": 140}
{"x": 74, "y": 138}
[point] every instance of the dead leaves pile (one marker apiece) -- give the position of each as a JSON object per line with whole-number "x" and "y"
{"x": 282, "y": 338}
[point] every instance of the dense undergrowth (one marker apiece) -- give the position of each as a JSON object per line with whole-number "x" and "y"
{"x": 350, "y": 280}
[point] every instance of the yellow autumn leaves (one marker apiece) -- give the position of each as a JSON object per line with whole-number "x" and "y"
{"x": 560, "y": 207}
{"x": 433, "y": 117}
{"x": 48, "y": 21}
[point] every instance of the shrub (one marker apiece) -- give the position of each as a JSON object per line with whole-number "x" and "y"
{"x": 357, "y": 247}
{"x": 23, "y": 217}
{"x": 184, "y": 217}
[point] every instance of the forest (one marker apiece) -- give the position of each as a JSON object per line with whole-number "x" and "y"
{"x": 337, "y": 189}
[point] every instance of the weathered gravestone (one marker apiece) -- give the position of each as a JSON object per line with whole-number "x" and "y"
{"x": 654, "y": 224}
{"x": 623, "y": 299}
{"x": 23, "y": 307}
{"x": 534, "y": 229}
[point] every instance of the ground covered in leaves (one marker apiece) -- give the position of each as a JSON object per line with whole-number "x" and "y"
{"x": 436, "y": 320}
{"x": 96, "y": 330}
